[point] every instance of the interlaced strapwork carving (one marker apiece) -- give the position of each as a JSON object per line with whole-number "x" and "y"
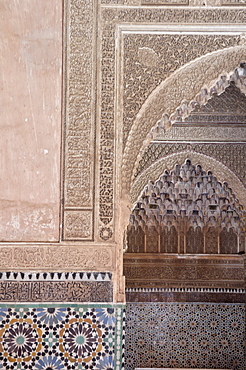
{"x": 187, "y": 211}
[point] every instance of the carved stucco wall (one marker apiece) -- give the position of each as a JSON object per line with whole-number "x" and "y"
{"x": 119, "y": 74}
{"x": 123, "y": 67}
{"x": 79, "y": 165}
{"x": 186, "y": 211}
{"x": 151, "y": 278}
{"x": 116, "y": 21}
{"x": 150, "y": 58}
{"x": 184, "y": 84}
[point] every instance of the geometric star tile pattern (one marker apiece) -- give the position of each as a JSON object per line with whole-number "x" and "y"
{"x": 189, "y": 335}
{"x": 56, "y": 337}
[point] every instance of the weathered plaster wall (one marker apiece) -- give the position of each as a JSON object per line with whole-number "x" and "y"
{"x": 30, "y": 123}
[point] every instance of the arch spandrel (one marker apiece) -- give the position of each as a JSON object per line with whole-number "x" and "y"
{"x": 186, "y": 83}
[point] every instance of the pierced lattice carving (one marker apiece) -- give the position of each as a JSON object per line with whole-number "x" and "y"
{"x": 186, "y": 211}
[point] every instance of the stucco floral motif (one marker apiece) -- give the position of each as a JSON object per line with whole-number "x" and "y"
{"x": 165, "y": 97}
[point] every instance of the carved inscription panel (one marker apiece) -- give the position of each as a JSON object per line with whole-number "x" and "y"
{"x": 166, "y": 271}
{"x": 79, "y": 120}
{"x": 233, "y": 2}
{"x": 165, "y": 2}
{"x": 79, "y": 99}
{"x": 53, "y": 257}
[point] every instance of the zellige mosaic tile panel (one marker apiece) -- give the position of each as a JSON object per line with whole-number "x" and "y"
{"x": 45, "y": 337}
{"x": 188, "y": 335}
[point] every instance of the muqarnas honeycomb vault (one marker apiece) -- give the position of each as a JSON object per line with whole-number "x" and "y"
{"x": 187, "y": 211}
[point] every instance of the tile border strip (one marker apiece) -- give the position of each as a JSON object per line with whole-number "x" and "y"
{"x": 56, "y": 276}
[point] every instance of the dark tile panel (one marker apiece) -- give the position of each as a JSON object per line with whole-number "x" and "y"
{"x": 185, "y": 335}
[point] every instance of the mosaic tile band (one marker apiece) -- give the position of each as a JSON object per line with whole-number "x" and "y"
{"x": 57, "y": 337}
{"x": 164, "y": 335}
{"x": 56, "y": 276}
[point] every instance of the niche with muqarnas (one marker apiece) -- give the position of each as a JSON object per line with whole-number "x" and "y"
{"x": 187, "y": 211}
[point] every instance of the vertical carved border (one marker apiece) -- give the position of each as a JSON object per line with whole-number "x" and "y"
{"x": 79, "y": 119}
{"x": 107, "y": 131}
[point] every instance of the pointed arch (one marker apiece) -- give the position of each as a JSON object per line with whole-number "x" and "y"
{"x": 186, "y": 83}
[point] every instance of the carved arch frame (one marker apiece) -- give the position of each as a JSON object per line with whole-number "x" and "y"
{"x": 185, "y": 83}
